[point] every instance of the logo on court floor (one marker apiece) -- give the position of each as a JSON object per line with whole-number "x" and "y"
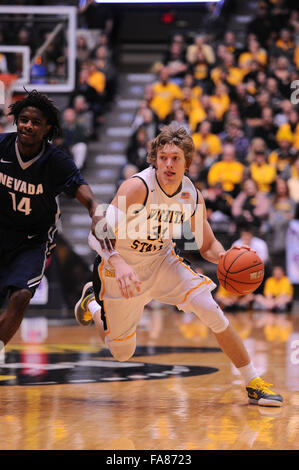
{"x": 75, "y": 364}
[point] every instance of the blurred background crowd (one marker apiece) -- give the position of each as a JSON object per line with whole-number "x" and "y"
{"x": 237, "y": 104}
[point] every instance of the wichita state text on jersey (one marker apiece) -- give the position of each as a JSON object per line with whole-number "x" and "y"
{"x": 28, "y": 189}
{"x": 158, "y": 220}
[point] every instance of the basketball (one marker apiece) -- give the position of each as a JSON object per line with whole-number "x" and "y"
{"x": 240, "y": 271}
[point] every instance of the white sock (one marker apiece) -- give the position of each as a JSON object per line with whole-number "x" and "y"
{"x": 248, "y": 372}
{"x": 93, "y": 307}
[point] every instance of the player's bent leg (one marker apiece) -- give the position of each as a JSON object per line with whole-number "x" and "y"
{"x": 210, "y": 314}
{"x": 12, "y": 316}
{"x": 122, "y": 349}
{"x": 208, "y": 311}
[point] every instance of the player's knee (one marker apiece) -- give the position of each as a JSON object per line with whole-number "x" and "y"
{"x": 122, "y": 350}
{"x": 209, "y": 312}
{"x": 19, "y": 300}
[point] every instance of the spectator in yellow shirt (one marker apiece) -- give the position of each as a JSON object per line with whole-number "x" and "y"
{"x": 285, "y": 43}
{"x": 278, "y": 292}
{"x": 232, "y": 302}
{"x": 199, "y": 112}
{"x": 220, "y": 100}
{"x": 204, "y": 135}
{"x": 164, "y": 92}
{"x": 96, "y": 79}
{"x": 262, "y": 172}
{"x": 189, "y": 102}
{"x": 254, "y": 52}
{"x": 233, "y": 75}
{"x": 228, "y": 171}
{"x": 290, "y": 130}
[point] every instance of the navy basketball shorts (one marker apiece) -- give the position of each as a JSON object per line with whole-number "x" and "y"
{"x": 22, "y": 266}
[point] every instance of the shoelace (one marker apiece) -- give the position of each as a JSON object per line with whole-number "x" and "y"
{"x": 264, "y": 386}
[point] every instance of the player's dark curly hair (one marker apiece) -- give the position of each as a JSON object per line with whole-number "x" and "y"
{"x": 45, "y": 105}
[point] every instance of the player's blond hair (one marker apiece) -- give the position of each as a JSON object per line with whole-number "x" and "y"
{"x": 172, "y": 134}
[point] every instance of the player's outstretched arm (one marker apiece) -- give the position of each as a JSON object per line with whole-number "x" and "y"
{"x": 86, "y": 197}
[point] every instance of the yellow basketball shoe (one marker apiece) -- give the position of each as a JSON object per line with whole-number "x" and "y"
{"x": 259, "y": 393}
{"x": 82, "y": 314}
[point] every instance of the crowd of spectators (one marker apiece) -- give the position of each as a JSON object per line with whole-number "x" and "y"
{"x": 95, "y": 75}
{"x": 236, "y": 102}
{"x": 94, "y": 91}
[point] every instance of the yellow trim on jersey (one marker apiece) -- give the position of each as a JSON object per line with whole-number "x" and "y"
{"x": 124, "y": 339}
{"x": 100, "y": 272}
{"x": 205, "y": 281}
{"x": 181, "y": 261}
{"x": 191, "y": 290}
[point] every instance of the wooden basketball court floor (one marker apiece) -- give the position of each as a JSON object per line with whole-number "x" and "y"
{"x": 61, "y": 389}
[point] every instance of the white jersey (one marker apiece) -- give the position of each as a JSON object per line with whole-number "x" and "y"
{"x": 149, "y": 229}
{"x": 145, "y": 242}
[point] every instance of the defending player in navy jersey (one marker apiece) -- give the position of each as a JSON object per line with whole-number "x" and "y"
{"x": 33, "y": 172}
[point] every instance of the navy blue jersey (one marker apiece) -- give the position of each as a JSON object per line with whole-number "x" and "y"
{"x": 28, "y": 189}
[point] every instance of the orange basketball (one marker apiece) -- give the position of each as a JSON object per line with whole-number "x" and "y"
{"x": 240, "y": 271}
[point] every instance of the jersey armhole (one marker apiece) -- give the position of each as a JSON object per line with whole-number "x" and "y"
{"x": 147, "y": 191}
{"x": 196, "y": 204}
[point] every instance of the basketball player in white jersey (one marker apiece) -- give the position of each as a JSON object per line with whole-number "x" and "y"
{"x": 147, "y": 211}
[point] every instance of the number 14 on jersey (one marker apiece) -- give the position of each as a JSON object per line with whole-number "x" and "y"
{"x": 21, "y": 206}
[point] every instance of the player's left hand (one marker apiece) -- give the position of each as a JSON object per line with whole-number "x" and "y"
{"x": 126, "y": 276}
{"x": 245, "y": 247}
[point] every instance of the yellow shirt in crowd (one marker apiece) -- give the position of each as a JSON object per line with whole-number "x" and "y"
{"x": 201, "y": 71}
{"x": 275, "y": 287}
{"x": 226, "y": 294}
{"x": 212, "y": 140}
{"x": 193, "y": 101}
{"x": 220, "y": 104}
{"x": 279, "y": 163}
{"x": 196, "y": 116}
{"x": 98, "y": 81}
{"x": 235, "y": 75}
{"x": 163, "y": 98}
{"x": 263, "y": 175}
{"x": 246, "y": 57}
{"x": 284, "y": 46}
{"x": 227, "y": 173}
